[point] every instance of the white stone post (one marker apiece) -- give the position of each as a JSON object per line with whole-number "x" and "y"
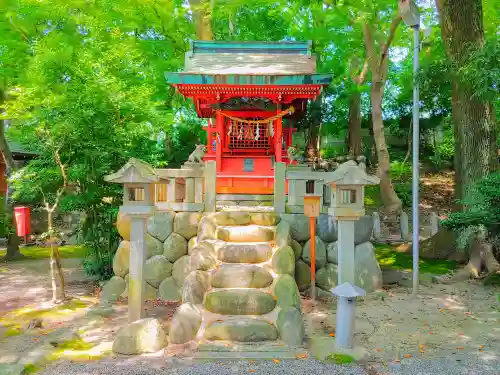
{"x": 377, "y": 230}
{"x": 210, "y": 186}
{"x": 434, "y": 223}
{"x": 404, "y": 225}
{"x": 292, "y": 192}
{"x": 189, "y": 197}
{"x": 346, "y": 251}
{"x": 171, "y": 191}
{"x": 279, "y": 187}
{"x": 136, "y": 291}
{"x": 198, "y": 190}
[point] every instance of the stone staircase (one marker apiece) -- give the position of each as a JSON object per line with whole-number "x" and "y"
{"x": 241, "y": 287}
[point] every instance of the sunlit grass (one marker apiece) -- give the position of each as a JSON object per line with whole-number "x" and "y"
{"x": 38, "y": 252}
{"x": 389, "y": 256}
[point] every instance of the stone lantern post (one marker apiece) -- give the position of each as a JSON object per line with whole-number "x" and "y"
{"x": 347, "y": 205}
{"x": 138, "y": 179}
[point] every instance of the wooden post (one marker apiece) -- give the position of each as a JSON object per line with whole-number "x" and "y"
{"x": 136, "y": 286}
{"x": 210, "y": 186}
{"x": 278, "y": 135}
{"x": 171, "y": 191}
{"x": 312, "y": 225}
{"x": 219, "y": 122}
{"x": 279, "y": 187}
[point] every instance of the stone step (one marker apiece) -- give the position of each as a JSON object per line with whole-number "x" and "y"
{"x": 241, "y": 330}
{"x": 241, "y": 276}
{"x": 222, "y": 346}
{"x": 254, "y": 252}
{"x": 224, "y": 208}
{"x": 239, "y": 302}
{"x": 249, "y": 233}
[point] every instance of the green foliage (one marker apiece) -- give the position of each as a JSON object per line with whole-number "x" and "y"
{"x": 339, "y": 359}
{"x": 482, "y": 206}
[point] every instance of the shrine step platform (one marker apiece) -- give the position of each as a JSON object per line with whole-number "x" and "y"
{"x": 230, "y": 350}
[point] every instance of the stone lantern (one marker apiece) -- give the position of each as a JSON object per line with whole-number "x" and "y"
{"x": 138, "y": 179}
{"x": 347, "y": 205}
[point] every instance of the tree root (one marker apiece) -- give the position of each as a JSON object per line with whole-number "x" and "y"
{"x": 482, "y": 260}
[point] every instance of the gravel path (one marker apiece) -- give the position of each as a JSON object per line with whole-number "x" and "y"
{"x": 466, "y": 365}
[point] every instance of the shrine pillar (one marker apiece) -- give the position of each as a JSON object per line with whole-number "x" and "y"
{"x": 278, "y": 135}
{"x": 219, "y": 124}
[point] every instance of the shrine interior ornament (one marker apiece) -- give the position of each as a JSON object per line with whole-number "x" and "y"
{"x": 288, "y": 111}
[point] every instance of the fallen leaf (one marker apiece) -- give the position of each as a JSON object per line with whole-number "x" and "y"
{"x": 460, "y": 348}
{"x": 282, "y": 344}
{"x": 378, "y": 350}
{"x": 422, "y": 351}
{"x": 431, "y": 333}
{"x": 252, "y": 362}
{"x": 407, "y": 356}
{"x": 461, "y": 334}
{"x": 301, "y": 356}
{"x": 421, "y": 346}
{"x": 397, "y": 361}
{"x": 276, "y": 361}
{"x": 252, "y": 371}
{"x": 441, "y": 310}
{"x": 332, "y": 334}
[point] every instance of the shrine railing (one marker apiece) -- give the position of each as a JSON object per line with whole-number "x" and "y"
{"x": 301, "y": 181}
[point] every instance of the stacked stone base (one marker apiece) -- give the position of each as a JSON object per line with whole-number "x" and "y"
{"x": 241, "y": 286}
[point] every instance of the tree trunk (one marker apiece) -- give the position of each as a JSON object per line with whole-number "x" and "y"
{"x": 392, "y": 204}
{"x": 202, "y": 17}
{"x": 354, "y": 129}
{"x": 13, "y": 240}
{"x": 58, "y": 294}
{"x": 474, "y": 118}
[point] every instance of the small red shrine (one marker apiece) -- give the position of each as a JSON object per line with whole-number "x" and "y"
{"x": 252, "y": 94}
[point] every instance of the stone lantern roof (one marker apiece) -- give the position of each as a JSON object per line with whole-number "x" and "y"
{"x": 134, "y": 172}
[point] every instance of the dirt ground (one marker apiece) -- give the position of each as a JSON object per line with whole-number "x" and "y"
{"x": 443, "y": 321}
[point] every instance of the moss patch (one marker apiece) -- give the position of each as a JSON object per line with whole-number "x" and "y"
{"x": 339, "y": 359}
{"x": 390, "y": 256}
{"x": 37, "y": 252}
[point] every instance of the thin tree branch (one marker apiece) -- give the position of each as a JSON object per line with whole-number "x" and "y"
{"x": 392, "y": 32}
{"x": 371, "y": 52}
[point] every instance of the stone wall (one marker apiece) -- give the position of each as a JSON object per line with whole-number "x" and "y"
{"x": 170, "y": 238}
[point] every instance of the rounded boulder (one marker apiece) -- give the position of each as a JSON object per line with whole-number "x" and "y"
{"x": 185, "y": 324}
{"x": 195, "y": 286}
{"x": 241, "y": 276}
{"x": 241, "y": 330}
{"x": 175, "y": 247}
{"x": 180, "y": 270}
{"x": 302, "y": 275}
{"x": 291, "y": 326}
{"x": 283, "y": 261}
{"x": 327, "y": 277}
{"x": 157, "y": 269}
{"x": 299, "y": 226}
{"x": 113, "y": 289}
{"x": 142, "y": 336}
{"x": 160, "y": 225}
{"x": 121, "y": 259}
{"x": 239, "y": 302}
{"x": 287, "y": 292}
{"x": 169, "y": 290}
{"x": 320, "y": 253}
{"x": 186, "y": 224}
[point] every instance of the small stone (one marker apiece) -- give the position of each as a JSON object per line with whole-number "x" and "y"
{"x": 241, "y": 276}
{"x": 185, "y": 324}
{"x": 249, "y": 233}
{"x": 283, "y": 261}
{"x": 327, "y": 277}
{"x": 245, "y": 253}
{"x": 332, "y": 253}
{"x": 186, "y": 224}
{"x": 291, "y": 326}
{"x": 367, "y": 270}
{"x": 363, "y": 229}
{"x": 121, "y": 260}
{"x": 232, "y": 218}
{"x": 241, "y": 330}
{"x": 150, "y": 293}
{"x": 195, "y": 286}
{"x": 180, "y": 270}
{"x": 113, "y": 289}
{"x": 239, "y": 302}
{"x": 283, "y": 234}
{"x": 297, "y": 249}
{"x": 160, "y": 225}
{"x": 320, "y": 253}
{"x": 169, "y": 290}
{"x": 302, "y": 275}
{"x": 175, "y": 247}
{"x": 267, "y": 219}
{"x": 287, "y": 292}
{"x": 321, "y": 294}
{"x": 299, "y": 226}
{"x": 391, "y": 276}
{"x": 142, "y": 336}
{"x": 327, "y": 228}
{"x": 157, "y": 269}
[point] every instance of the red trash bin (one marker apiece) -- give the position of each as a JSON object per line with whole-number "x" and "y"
{"x": 23, "y": 222}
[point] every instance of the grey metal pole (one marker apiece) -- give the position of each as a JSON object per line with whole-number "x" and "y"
{"x": 415, "y": 165}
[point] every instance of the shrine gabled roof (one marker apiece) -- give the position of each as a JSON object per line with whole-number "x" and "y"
{"x": 249, "y": 58}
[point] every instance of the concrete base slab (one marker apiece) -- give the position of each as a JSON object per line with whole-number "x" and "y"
{"x": 226, "y": 350}
{"x": 245, "y": 208}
